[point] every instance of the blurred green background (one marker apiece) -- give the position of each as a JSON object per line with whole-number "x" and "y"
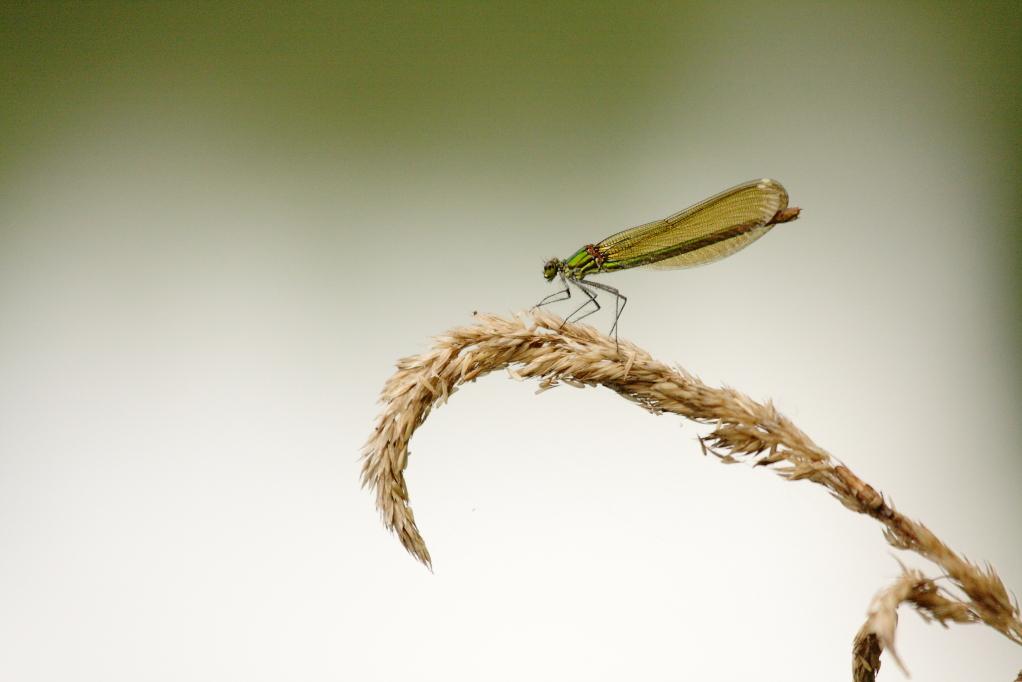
{"x": 222, "y": 223}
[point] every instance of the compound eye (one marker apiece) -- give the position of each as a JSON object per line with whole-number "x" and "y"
{"x": 550, "y": 269}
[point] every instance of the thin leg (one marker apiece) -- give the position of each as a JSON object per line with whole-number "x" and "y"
{"x": 619, "y": 302}
{"x": 550, "y": 299}
{"x": 567, "y": 295}
{"x": 587, "y": 288}
{"x": 584, "y": 288}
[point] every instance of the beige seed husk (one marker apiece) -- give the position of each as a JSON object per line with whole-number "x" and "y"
{"x": 744, "y": 430}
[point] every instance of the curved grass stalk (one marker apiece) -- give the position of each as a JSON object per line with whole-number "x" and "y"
{"x": 745, "y": 430}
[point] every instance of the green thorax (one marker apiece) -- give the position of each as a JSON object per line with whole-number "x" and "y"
{"x": 586, "y": 261}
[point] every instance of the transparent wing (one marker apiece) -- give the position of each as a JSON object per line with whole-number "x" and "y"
{"x": 708, "y": 254}
{"x": 715, "y": 228}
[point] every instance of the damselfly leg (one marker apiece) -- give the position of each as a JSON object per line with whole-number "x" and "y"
{"x": 587, "y": 289}
{"x": 550, "y": 299}
{"x": 619, "y": 302}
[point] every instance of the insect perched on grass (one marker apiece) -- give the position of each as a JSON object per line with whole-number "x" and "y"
{"x": 704, "y": 233}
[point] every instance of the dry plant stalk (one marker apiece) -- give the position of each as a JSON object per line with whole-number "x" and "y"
{"x": 877, "y": 633}
{"x": 745, "y": 430}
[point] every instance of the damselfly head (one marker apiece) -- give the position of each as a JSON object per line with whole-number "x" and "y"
{"x": 550, "y": 269}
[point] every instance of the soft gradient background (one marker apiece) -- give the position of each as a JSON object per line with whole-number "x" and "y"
{"x": 222, "y": 223}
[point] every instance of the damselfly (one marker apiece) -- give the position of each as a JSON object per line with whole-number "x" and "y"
{"x": 705, "y": 233}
